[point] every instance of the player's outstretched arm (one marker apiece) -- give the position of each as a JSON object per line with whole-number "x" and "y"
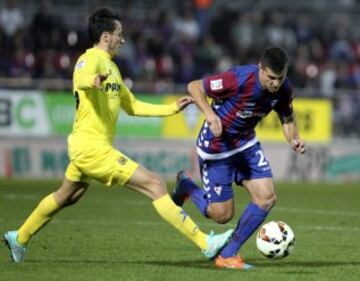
{"x": 183, "y": 102}
{"x": 196, "y": 90}
{"x": 292, "y": 135}
{"x": 135, "y": 107}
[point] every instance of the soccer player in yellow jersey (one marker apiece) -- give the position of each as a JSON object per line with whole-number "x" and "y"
{"x": 100, "y": 93}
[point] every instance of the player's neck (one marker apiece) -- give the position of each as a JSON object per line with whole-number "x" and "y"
{"x": 102, "y": 46}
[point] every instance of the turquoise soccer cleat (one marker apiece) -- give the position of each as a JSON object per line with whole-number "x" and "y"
{"x": 16, "y": 250}
{"x": 216, "y": 242}
{"x": 179, "y": 196}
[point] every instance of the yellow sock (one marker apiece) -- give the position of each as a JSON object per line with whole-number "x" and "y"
{"x": 180, "y": 220}
{"x": 42, "y": 214}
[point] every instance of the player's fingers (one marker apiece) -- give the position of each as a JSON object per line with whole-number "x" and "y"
{"x": 217, "y": 127}
{"x": 188, "y": 100}
{"x": 183, "y": 102}
{"x": 213, "y": 128}
{"x": 302, "y": 149}
{"x": 295, "y": 143}
{"x": 97, "y": 81}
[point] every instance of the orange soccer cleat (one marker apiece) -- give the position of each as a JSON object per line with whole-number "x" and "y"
{"x": 235, "y": 262}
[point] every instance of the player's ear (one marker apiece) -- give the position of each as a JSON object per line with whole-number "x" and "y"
{"x": 105, "y": 37}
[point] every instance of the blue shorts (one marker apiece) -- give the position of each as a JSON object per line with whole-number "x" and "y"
{"x": 218, "y": 175}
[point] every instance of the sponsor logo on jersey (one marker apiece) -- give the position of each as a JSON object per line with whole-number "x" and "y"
{"x": 114, "y": 87}
{"x": 80, "y": 64}
{"x": 248, "y": 114}
{"x": 216, "y": 84}
{"x": 273, "y": 103}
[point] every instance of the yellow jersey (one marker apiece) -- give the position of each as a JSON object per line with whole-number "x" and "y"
{"x": 97, "y": 110}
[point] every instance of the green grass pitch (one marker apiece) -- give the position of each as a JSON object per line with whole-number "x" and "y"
{"x": 116, "y": 235}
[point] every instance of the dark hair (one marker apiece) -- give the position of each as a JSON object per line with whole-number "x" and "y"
{"x": 100, "y": 21}
{"x": 274, "y": 58}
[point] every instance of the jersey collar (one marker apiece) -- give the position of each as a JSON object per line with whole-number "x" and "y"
{"x": 99, "y": 52}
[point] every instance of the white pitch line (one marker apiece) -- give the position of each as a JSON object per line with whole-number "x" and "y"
{"x": 317, "y": 211}
{"x": 13, "y": 196}
{"x": 206, "y": 224}
{"x": 328, "y": 228}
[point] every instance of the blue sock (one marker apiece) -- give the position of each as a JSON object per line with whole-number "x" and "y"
{"x": 250, "y": 220}
{"x": 197, "y": 195}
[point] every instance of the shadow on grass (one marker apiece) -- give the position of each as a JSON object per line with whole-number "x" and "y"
{"x": 305, "y": 264}
{"x": 205, "y": 264}
{"x": 182, "y": 263}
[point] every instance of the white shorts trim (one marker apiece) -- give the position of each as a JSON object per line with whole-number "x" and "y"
{"x": 226, "y": 154}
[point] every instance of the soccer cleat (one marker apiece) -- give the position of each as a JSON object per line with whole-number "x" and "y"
{"x": 179, "y": 196}
{"x": 216, "y": 242}
{"x": 232, "y": 262}
{"x": 16, "y": 250}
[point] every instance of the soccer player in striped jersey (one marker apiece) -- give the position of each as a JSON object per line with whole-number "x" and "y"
{"x": 100, "y": 93}
{"x": 228, "y": 150}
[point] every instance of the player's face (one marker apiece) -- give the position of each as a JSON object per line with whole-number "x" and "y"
{"x": 116, "y": 39}
{"x": 270, "y": 80}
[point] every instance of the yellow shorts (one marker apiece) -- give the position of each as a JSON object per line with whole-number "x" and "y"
{"x": 102, "y": 163}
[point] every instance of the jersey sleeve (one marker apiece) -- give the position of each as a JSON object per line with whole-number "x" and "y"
{"x": 85, "y": 72}
{"x": 133, "y": 106}
{"x": 221, "y": 85}
{"x": 284, "y": 107}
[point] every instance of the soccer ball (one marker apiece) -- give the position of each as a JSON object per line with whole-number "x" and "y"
{"x": 275, "y": 240}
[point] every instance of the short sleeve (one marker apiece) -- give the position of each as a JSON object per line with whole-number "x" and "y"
{"x": 221, "y": 85}
{"x": 85, "y": 72}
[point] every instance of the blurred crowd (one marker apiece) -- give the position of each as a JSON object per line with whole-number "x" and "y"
{"x": 185, "y": 43}
{"x": 191, "y": 40}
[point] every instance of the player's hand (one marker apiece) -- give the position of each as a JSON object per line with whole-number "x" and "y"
{"x": 298, "y": 146}
{"x": 215, "y": 124}
{"x": 184, "y": 101}
{"x": 100, "y": 78}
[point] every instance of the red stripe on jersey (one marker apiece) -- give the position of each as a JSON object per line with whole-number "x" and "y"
{"x": 222, "y": 85}
{"x": 242, "y": 98}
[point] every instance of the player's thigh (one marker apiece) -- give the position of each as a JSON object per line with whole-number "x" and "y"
{"x": 252, "y": 164}
{"x": 260, "y": 188}
{"x": 262, "y": 192}
{"x": 254, "y": 173}
{"x": 217, "y": 178}
{"x": 105, "y": 164}
{"x": 147, "y": 183}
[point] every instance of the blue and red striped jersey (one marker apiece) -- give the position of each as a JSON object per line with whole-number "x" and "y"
{"x": 240, "y": 102}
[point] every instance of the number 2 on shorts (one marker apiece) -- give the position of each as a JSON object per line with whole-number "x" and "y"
{"x": 262, "y": 161}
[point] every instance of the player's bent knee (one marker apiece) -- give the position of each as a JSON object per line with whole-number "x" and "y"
{"x": 221, "y": 215}
{"x": 222, "y": 219}
{"x": 267, "y": 202}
